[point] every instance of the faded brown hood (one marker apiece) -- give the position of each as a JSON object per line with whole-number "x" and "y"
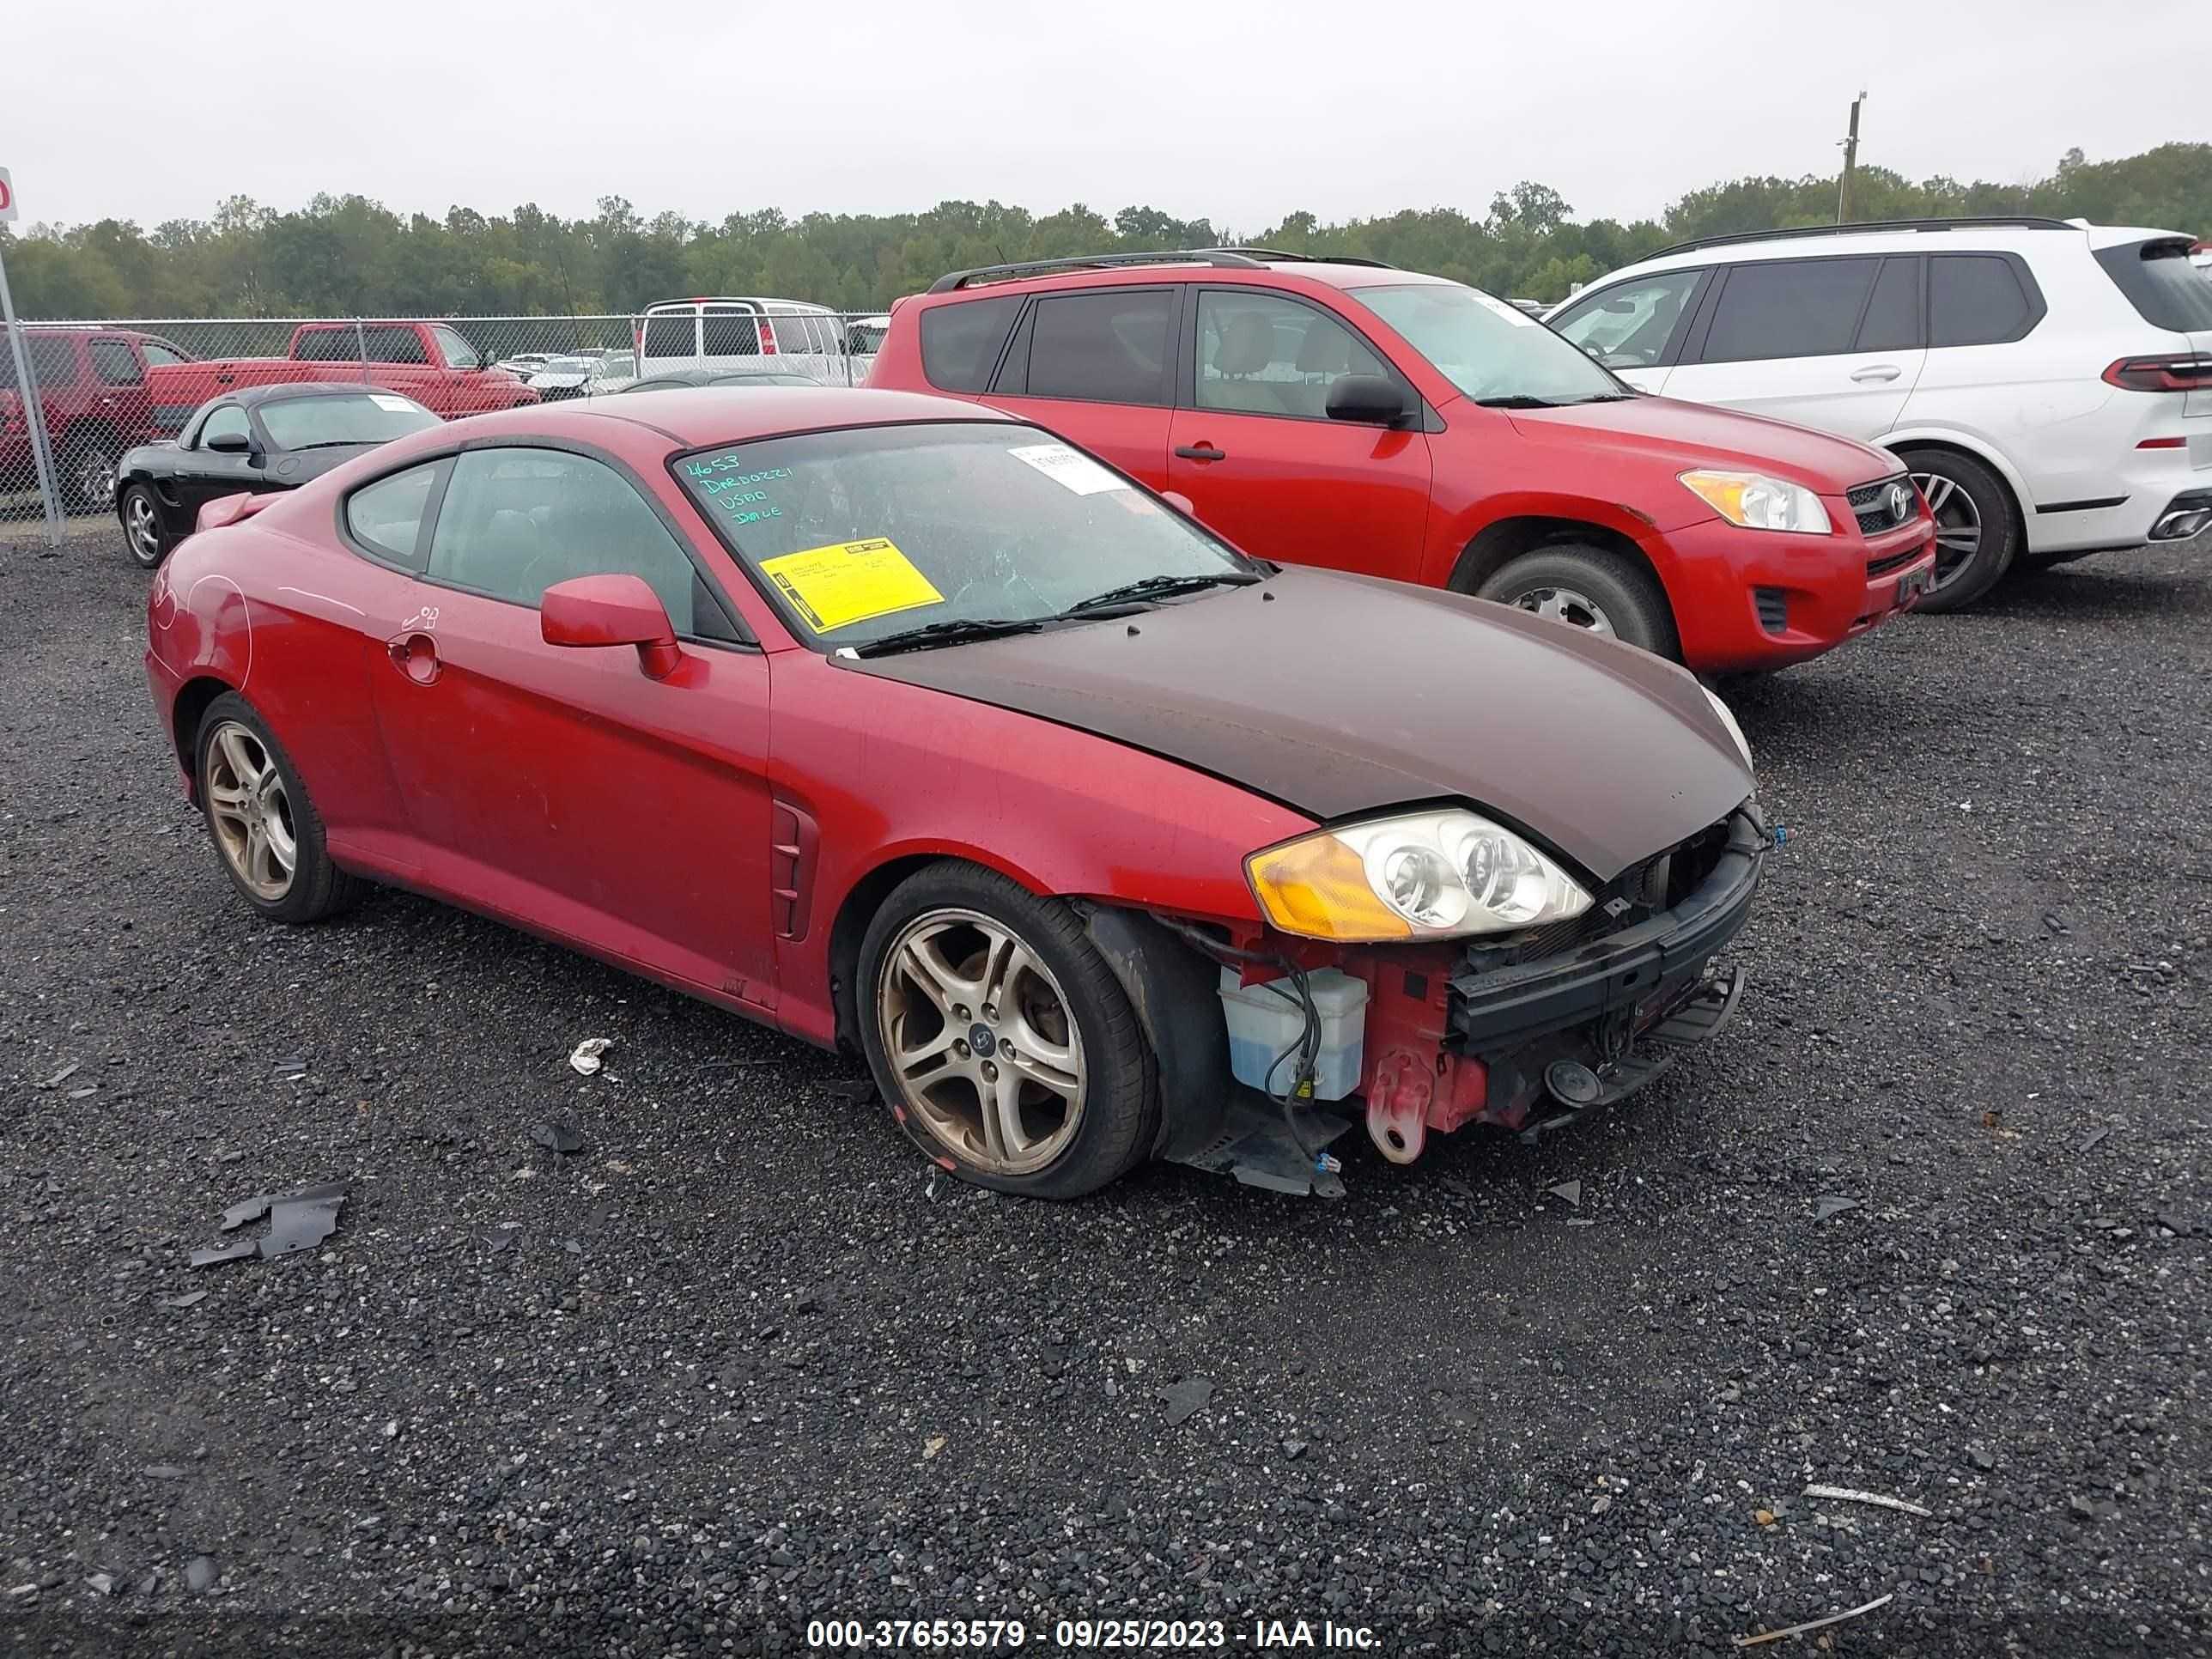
{"x": 1341, "y": 695}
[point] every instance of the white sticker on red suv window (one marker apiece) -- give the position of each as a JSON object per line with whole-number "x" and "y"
{"x": 1068, "y": 468}
{"x": 396, "y": 406}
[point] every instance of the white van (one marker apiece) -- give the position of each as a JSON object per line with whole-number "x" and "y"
{"x": 726, "y": 332}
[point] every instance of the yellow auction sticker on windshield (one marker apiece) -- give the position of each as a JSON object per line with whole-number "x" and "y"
{"x": 849, "y": 582}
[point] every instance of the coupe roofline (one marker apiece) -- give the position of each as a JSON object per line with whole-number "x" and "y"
{"x": 691, "y": 418}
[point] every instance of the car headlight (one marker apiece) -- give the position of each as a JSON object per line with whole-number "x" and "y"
{"x": 1758, "y": 502}
{"x": 1424, "y": 875}
{"x": 1728, "y": 719}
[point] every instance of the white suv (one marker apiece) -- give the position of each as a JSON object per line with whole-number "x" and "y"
{"x": 735, "y": 333}
{"x": 2047, "y": 382}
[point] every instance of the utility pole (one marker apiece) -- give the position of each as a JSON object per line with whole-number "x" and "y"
{"x": 1851, "y": 161}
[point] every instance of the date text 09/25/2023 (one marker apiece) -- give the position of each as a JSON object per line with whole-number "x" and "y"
{"x": 1084, "y": 1635}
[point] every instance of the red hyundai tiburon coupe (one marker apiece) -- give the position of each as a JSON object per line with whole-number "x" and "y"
{"x": 897, "y": 723}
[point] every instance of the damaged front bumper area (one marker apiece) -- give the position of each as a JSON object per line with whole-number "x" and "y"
{"x": 1563, "y": 1033}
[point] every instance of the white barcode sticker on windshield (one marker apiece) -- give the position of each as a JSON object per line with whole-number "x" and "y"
{"x": 1070, "y": 469}
{"x": 385, "y": 400}
{"x": 1510, "y": 314}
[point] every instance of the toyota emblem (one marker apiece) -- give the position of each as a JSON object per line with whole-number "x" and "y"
{"x": 1900, "y": 503}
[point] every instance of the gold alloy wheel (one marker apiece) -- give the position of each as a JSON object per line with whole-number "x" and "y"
{"x": 981, "y": 1040}
{"x": 250, "y": 812}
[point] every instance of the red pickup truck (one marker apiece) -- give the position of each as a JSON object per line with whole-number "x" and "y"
{"x": 429, "y": 362}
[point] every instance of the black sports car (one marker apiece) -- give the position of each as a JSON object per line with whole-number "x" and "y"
{"x": 255, "y": 439}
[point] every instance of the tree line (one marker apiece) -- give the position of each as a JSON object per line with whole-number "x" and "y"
{"x": 350, "y": 256}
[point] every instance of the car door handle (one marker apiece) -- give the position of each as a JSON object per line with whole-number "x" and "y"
{"x": 1876, "y": 372}
{"x": 415, "y": 655}
{"x": 1201, "y": 451}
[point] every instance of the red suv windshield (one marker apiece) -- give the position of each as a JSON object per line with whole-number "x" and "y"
{"x": 1491, "y": 351}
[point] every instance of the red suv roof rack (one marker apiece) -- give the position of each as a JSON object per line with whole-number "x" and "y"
{"x": 952, "y": 280}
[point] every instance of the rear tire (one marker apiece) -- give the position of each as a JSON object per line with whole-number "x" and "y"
{"x": 87, "y": 464}
{"x": 1978, "y": 527}
{"x": 960, "y": 965}
{"x": 1590, "y": 588}
{"x": 265, "y": 831}
{"x": 144, "y": 533}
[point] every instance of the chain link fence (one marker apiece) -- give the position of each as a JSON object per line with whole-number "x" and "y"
{"x": 105, "y": 386}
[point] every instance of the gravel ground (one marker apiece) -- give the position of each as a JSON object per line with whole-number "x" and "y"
{"x": 742, "y": 1363}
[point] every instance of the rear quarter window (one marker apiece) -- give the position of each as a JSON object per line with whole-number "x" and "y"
{"x": 1978, "y": 299}
{"x": 386, "y": 517}
{"x": 960, "y": 342}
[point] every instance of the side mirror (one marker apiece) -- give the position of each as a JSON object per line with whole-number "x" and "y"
{"x": 611, "y": 609}
{"x": 1370, "y": 399}
{"x": 231, "y": 443}
{"x": 1181, "y": 503}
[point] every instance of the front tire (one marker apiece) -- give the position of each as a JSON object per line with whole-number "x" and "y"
{"x": 265, "y": 828}
{"x": 1977, "y": 528}
{"x": 1003, "y": 1041}
{"x": 143, "y": 531}
{"x": 1592, "y": 588}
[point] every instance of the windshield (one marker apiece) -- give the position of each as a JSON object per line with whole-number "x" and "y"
{"x": 865, "y": 339}
{"x": 867, "y": 531}
{"x": 374, "y": 418}
{"x": 1487, "y": 349}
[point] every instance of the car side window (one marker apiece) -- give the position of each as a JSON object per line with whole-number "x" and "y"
{"x": 1974, "y": 299}
{"x": 1630, "y": 326}
{"x": 516, "y": 521}
{"x": 1260, "y": 353}
{"x": 387, "y": 516}
{"x": 672, "y": 334}
{"x": 960, "y": 341}
{"x": 113, "y": 362}
{"x": 459, "y": 353}
{"x": 229, "y": 419}
{"x": 735, "y": 334}
{"x": 1109, "y": 345}
{"x": 1789, "y": 308}
{"x": 53, "y": 362}
{"x": 393, "y": 345}
{"x": 160, "y": 355}
{"x": 1893, "y": 318}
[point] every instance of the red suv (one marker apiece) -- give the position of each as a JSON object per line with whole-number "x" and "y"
{"x": 1345, "y": 414}
{"x": 92, "y": 390}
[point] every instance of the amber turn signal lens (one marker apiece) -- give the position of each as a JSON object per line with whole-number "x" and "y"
{"x": 1317, "y": 888}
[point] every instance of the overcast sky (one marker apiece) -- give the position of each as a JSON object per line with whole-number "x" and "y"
{"x": 150, "y": 110}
